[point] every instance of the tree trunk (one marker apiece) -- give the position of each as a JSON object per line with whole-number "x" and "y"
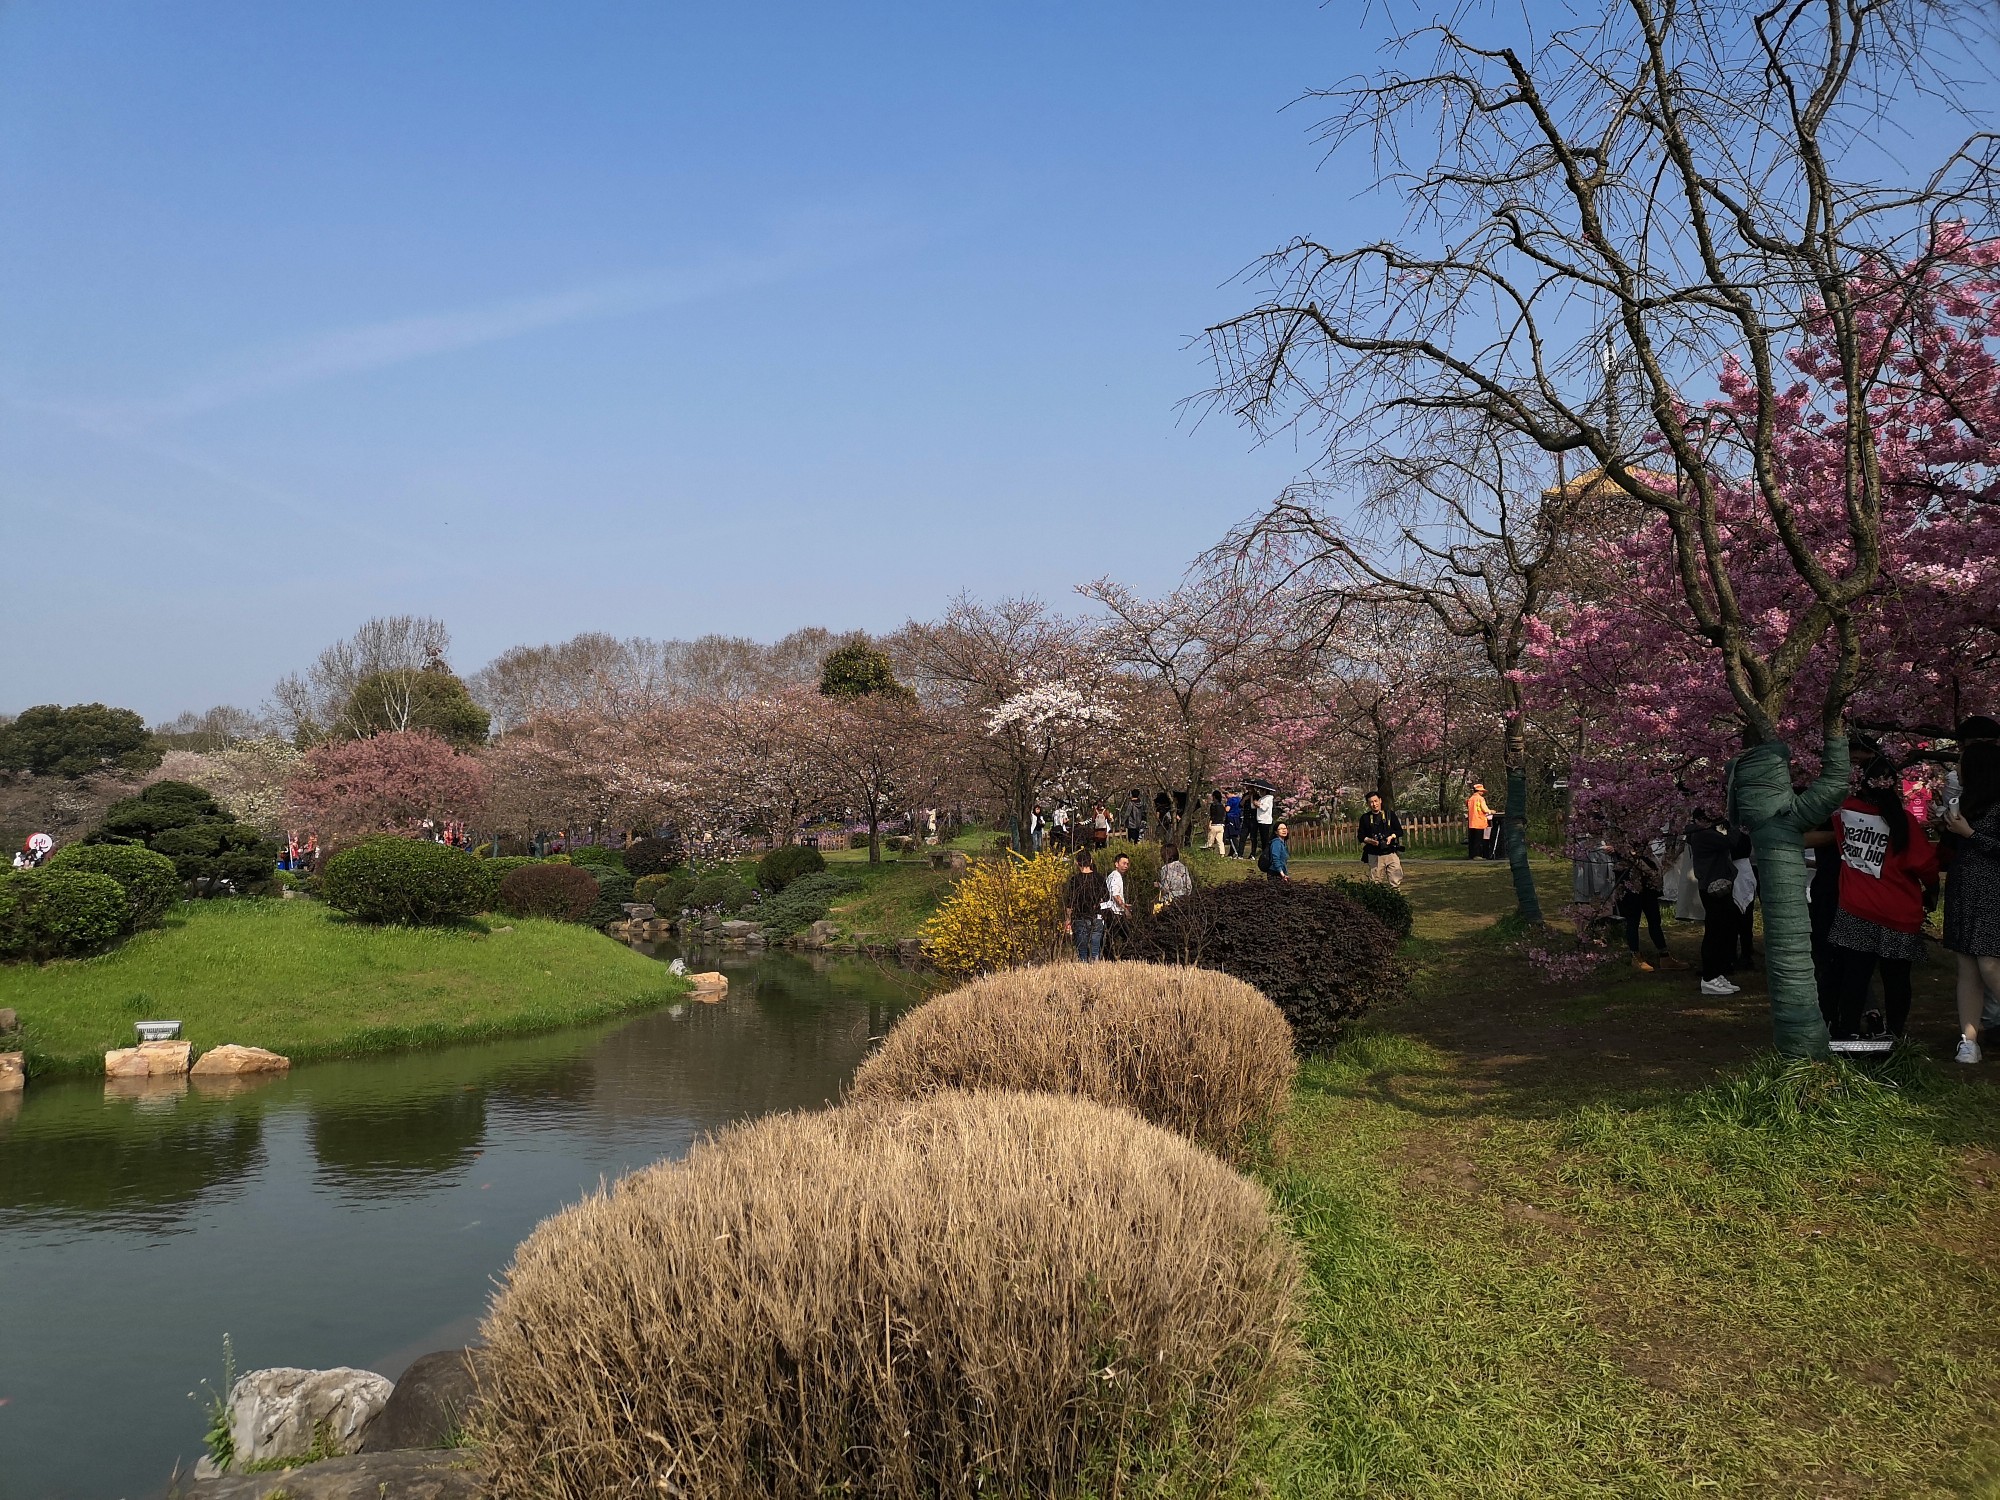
{"x": 874, "y": 834}
{"x": 1527, "y": 901}
{"x": 1762, "y": 800}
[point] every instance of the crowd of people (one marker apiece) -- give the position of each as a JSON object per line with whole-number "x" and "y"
{"x": 1894, "y": 850}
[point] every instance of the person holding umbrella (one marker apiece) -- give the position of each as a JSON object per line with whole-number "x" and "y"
{"x": 1263, "y": 799}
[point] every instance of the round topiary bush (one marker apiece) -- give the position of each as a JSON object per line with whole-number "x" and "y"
{"x": 721, "y": 889}
{"x": 597, "y": 856}
{"x": 787, "y": 863}
{"x": 1196, "y": 1051}
{"x": 614, "y": 889}
{"x": 498, "y": 869}
{"x": 561, "y": 893}
{"x": 409, "y": 881}
{"x": 652, "y": 856}
{"x": 1305, "y": 944}
{"x": 1011, "y": 1294}
{"x": 151, "y": 884}
{"x": 651, "y": 889}
{"x": 48, "y": 913}
{"x": 1386, "y": 903}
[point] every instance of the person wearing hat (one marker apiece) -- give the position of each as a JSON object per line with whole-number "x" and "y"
{"x": 1478, "y": 818}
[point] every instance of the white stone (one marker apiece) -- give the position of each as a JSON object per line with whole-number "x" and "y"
{"x": 277, "y": 1413}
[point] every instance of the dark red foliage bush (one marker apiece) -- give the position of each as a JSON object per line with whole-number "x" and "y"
{"x": 563, "y": 893}
{"x": 1309, "y": 947}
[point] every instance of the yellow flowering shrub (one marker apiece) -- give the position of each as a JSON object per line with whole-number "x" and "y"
{"x": 1003, "y": 914}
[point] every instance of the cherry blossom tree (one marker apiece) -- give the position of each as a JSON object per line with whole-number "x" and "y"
{"x": 1192, "y": 664}
{"x": 1702, "y": 185}
{"x": 387, "y": 783}
{"x": 873, "y": 739}
{"x": 1019, "y": 694}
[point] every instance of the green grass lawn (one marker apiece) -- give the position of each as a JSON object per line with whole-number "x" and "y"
{"x": 298, "y": 978}
{"x": 1582, "y": 1242}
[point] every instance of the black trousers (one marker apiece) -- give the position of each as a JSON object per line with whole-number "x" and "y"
{"x": 1746, "y": 929}
{"x": 1633, "y": 905}
{"x": 1260, "y": 836}
{"x": 1851, "y": 991}
{"x": 1718, "y": 936}
{"x": 1475, "y": 843}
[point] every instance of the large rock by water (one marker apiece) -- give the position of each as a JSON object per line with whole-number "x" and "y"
{"x": 434, "y": 1474}
{"x": 710, "y": 986}
{"x": 149, "y": 1060}
{"x": 429, "y": 1406}
{"x": 230, "y": 1061}
{"x": 277, "y": 1413}
{"x": 13, "y": 1073}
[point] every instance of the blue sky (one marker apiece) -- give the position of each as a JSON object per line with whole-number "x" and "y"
{"x": 649, "y": 318}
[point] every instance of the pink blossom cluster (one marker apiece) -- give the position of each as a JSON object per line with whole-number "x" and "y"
{"x": 1647, "y": 692}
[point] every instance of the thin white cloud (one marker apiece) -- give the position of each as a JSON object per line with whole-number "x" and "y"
{"x": 397, "y": 341}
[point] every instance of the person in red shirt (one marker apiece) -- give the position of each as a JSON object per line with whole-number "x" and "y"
{"x": 1888, "y": 880}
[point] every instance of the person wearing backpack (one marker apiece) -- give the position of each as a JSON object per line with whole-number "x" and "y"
{"x": 1275, "y": 859}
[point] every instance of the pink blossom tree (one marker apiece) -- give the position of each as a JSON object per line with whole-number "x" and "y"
{"x": 1690, "y": 188}
{"x": 387, "y": 783}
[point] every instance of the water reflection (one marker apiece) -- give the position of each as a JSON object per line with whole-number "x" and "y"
{"x": 349, "y": 1212}
{"x": 127, "y": 1167}
{"x": 385, "y": 1146}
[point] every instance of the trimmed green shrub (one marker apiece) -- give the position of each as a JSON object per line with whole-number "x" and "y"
{"x": 803, "y": 902}
{"x": 149, "y": 880}
{"x": 497, "y": 870}
{"x": 614, "y": 889}
{"x": 562, "y": 893}
{"x": 597, "y": 856}
{"x": 1389, "y": 905}
{"x": 201, "y": 837}
{"x": 1308, "y": 946}
{"x": 652, "y": 856}
{"x": 48, "y": 913}
{"x": 979, "y": 1294}
{"x": 408, "y": 881}
{"x": 50, "y": 740}
{"x": 679, "y": 887}
{"x": 721, "y": 889}
{"x": 652, "y": 889}
{"x": 787, "y": 863}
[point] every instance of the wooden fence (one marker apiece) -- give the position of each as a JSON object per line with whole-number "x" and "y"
{"x": 1339, "y": 837}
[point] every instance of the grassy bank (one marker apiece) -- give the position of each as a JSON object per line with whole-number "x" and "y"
{"x": 1584, "y": 1242}
{"x": 299, "y": 979}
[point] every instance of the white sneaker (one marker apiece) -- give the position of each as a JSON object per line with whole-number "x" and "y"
{"x": 1718, "y": 986}
{"x": 1968, "y": 1050}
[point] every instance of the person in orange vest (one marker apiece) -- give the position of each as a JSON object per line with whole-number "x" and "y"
{"x": 1478, "y": 818}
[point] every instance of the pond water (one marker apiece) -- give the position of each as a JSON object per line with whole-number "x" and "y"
{"x": 352, "y": 1213}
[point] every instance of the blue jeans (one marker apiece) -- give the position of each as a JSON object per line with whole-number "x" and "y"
{"x": 1089, "y": 939}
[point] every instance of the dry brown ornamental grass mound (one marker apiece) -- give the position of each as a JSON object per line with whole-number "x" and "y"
{"x": 1191, "y": 1049}
{"x": 996, "y": 1294}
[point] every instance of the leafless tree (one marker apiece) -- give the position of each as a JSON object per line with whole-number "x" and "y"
{"x": 1192, "y": 661}
{"x": 1704, "y": 184}
{"x": 1020, "y": 693}
{"x": 1464, "y": 530}
{"x": 392, "y": 649}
